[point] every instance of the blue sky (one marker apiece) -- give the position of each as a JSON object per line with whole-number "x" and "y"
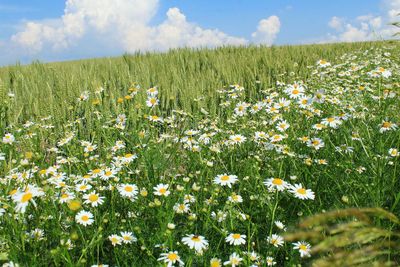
{"x": 64, "y": 30}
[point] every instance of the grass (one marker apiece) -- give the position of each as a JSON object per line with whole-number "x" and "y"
{"x": 183, "y": 75}
{"x": 355, "y": 241}
{"x": 89, "y": 123}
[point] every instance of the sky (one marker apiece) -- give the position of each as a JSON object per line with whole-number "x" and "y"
{"x": 55, "y": 30}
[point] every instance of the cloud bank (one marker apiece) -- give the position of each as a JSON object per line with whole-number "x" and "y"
{"x": 366, "y": 27}
{"x": 88, "y": 27}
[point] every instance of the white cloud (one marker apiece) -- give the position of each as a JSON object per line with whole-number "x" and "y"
{"x": 393, "y": 7}
{"x": 175, "y": 31}
{"x": 86, "y": 17}
{"x": 354, "y": 34}
{"x": 119, "y": 26}
{"x": 374, "y": 22}
{"x": 267, "y": 30}
{"x": 366, "y": 27}
{"x": 336, "y": 23}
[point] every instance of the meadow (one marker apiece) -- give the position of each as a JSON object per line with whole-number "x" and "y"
{"x": 202, "y": 157}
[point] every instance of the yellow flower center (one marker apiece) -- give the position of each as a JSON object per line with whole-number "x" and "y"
{"x": 301, "y": 191}
{"x": 224, "y": 177}
{"x": 303, "y": 247}
{"x": 85, "y": 218}
{"x": 386, "y": 124}
{"x": 93, "y": 197}
{"x": 128, "y": 188}
{"x": 162, "y": 190}
{"x": 196, "y": 238}
{"x": 26, "y": 197}
{"x": 295, "y": 92}
{"x": 236, "y": 236}
{"x": 74, "y": 205}
{"x": 172, "y": 256}
{"x": 12, "y": 192}
{"x": 277, "y": 181}
{"x": 235, "y": 261}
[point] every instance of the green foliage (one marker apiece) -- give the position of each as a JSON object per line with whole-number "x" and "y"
{"x": 352, "y": 237}
{"x": 397, "y": 24}
{"x": 182, "y": 74}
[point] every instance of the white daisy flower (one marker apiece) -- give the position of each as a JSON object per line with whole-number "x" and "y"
{"x": 300, "y": 192}
{"x": 181, "y": 208}
{"x": 394, "y": 152}
{"x": 275, "y": 240}
{"x": 161, "y": 190}
{"x": 8, "y": 139}
{"x": 115, "y": 240}
{"x": 276, "y": 183}
{"x": 225, "y": 180}
{"x": 84, "y": 217}
{"x": 237, "y": 139}
{"x": 196, "y": 242}
{"x": 22, "y": 198}
{"x": 316, "y": 143}
{"x": 170, "y": 258}
{"x": 303, "y": 247}
{"x": 236, "y": 239}
{"x": 128, "y": 190}
{"x": 234, "y": 260}
{"x": 270, "y": 261}
{"x": 152, "y": 101}
{"x": 93, "y": 199}
{"x": 128, "y": 237}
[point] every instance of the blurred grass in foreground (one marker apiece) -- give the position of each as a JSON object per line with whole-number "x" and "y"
{"x": 358, "y": 239}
